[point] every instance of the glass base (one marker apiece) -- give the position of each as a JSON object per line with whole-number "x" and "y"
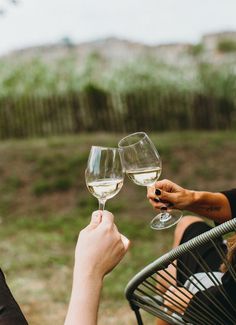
{"x": 166, "y": 219}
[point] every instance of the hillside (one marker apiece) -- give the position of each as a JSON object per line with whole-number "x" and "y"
{"x": 216, "y": 47}
{"x": 67, "y": 88}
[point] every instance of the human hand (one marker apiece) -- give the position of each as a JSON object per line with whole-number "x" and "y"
{"x": 177, "y": 299}
{"x": 100, "y": 246}
{"x": 167, "y": 192}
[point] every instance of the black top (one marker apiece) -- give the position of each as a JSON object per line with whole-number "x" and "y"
{"x": 218, "y": 300}
{"x": 231, "y": 196}
{"x": 215, "y": 297}
{"x": 10, "y": 312}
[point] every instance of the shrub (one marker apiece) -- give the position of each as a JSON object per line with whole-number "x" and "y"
{"x": 42, "y": 187}
{"x": 196, "y": 49}
{"x": 62, "y": 184}
{"x": 226, "y": 46}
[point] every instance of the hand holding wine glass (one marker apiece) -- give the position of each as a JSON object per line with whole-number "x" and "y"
{"x": 143, "y": 166}
{"x": 104, "y": 173}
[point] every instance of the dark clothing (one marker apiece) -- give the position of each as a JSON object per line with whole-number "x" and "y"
{"x": 187, "y": 264}
{"x": 221, "y": 295}
{"x": 10, "y": 312}
{"x": 231, "y": 196}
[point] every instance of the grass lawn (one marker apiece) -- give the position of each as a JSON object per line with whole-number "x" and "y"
{"x": 44, "y": 203}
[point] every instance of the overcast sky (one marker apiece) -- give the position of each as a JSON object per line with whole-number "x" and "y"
{"x": 35, "y": 22}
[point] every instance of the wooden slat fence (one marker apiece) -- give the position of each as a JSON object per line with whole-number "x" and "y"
{"x": 93, "y": 111}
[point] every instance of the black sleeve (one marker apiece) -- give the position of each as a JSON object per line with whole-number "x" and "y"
{"x": 215, "y": 303}
{"x": 10, "y": 312}
{"x": 231, "y": 196}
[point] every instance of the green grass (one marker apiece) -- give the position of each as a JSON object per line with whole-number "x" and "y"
{"x": 44, "y": 203}
{"x": 47, "y": 244}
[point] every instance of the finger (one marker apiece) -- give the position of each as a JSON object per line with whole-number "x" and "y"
{"x": 152, "y": 202}
{"x": 107, "y": 217}
{"x": 151, "y": 193}
{"x": 157, "y": 191}
{"x": 171, "y": 288}
{"x": 163, "y": 208}
{"x": 155, "y": 204}
{"x": 164, "y": 196}
{"x": 163, "y": 184}
{"x": 96, "y": 218}
{"x": 125, "y": 241}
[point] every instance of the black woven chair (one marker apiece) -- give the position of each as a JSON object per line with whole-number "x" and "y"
{"x": 144, "y": 290}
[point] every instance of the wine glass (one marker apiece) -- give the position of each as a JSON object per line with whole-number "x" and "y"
{"x": 104, "y": 174}
{"x": 142, "y": 164}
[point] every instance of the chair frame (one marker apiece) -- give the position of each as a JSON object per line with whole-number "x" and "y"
{"x": 138, "y": 301}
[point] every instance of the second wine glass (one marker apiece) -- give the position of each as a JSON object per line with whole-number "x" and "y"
{"x": 104, "y": 174}
{"x": 142, "y": 164}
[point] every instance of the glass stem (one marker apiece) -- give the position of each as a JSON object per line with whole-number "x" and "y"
{"x": 165, "y": 216}
{"x": 101, "y": 204}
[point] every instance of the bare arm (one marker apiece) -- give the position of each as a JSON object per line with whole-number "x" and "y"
{"x": 212, "y": 205}
{"x": 99, "y": 249}
{"x": 209, "y": 204}
{"x": 84, "y": 301}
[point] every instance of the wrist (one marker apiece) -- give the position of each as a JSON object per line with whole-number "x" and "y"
{"x": 198, "y": 201}
{"x": 83, "y": 273}
{"x": 84, "y": 283}
{"x": 192, "y": 199}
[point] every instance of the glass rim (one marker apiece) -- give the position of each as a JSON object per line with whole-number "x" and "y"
{"x": 107, "y": 148}
{"x": 130, "y": 135}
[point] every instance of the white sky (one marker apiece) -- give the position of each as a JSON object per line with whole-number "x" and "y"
{"x": 150, "y": 21}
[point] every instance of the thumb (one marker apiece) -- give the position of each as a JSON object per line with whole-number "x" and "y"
{"x": 125, "y": 241}
{"x": 107, "y": 218}
{"x": 96, "y": 218}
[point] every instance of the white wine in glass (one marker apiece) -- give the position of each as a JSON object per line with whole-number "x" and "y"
{"x": 142, "y": 164}
{"x": 144, "y": 176}
{"x": 104, "y": 174}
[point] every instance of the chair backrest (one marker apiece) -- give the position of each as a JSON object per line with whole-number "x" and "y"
{"x": 145, "y": 289}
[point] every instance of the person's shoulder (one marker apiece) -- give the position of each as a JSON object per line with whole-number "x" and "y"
{"x": 2, "y": 276}
{"x": 230, "y": 194}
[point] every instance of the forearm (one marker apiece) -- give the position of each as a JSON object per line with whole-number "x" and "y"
{"x": 212, "y": 205}
{"x": 84, "y": 301}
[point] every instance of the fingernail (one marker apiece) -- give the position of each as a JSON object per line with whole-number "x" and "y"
{"x": 96, "y": 214}
{"x": 164, "y": 208}
{"x": 96, "y": 217}
{"x": 156, "y": 200}
{"x": 157, "y": 192}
